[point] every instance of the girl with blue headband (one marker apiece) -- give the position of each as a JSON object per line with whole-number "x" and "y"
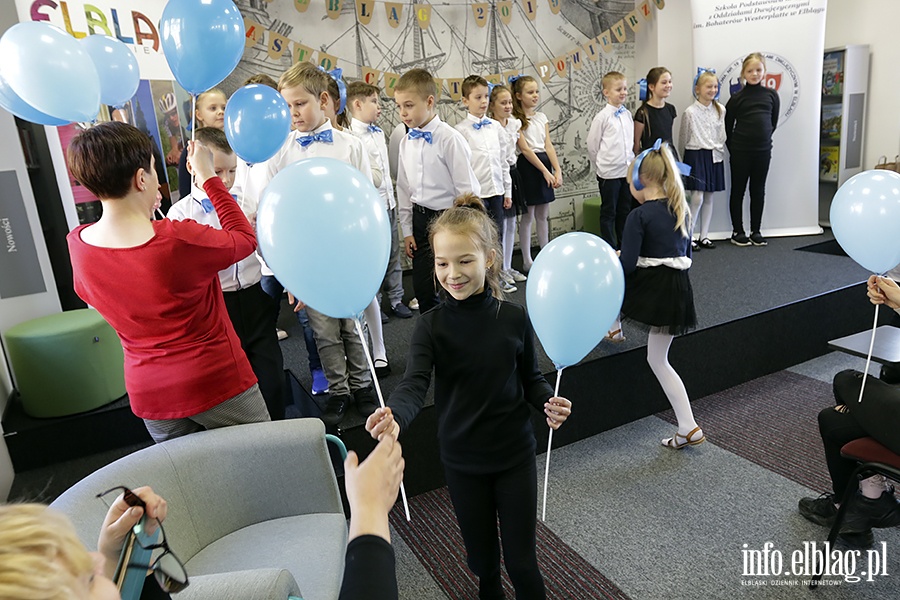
{"x": 656, "y": 258}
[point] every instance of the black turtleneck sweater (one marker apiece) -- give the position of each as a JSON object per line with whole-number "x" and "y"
{"x": 751, "y": 116}
{"x": 486, "y": 376}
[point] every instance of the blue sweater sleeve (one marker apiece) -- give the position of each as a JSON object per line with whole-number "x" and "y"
{"x": 632, "y": 240}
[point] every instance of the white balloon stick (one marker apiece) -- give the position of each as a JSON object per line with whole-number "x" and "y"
{"x": 365, "y": 345}
{"x": 869, "y": 356}
{"x": 549, "y": 444}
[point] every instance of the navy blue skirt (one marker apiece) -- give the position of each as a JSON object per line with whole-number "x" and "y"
{"x": 706, "y": 175}
{"x": 660, "y": 297}
{"x": 534, "y": 188}
{"x": 518, "y": 203}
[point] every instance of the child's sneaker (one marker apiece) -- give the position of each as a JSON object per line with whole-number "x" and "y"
{"x": 414, "y": 304}
{"x": 319, "y": 382}
{"x": 507, "y": 277}
{"x": 507, "y": 287}
{"x": 281, "y": 334}
{"x": 740, "y": 239}
{"x": 517, "y": 277}
{"x": 758, "y": 240}
{"x": 335, "y": 409}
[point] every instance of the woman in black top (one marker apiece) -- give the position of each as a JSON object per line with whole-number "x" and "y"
{"x": 751, "y": 116}
{"x": 483, "y": 355}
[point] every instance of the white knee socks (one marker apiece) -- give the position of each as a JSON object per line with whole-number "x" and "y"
{"x": 539, "y": 214}
{"x": 658, "y": 356}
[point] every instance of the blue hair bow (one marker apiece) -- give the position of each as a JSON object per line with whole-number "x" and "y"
{"x": 701, "y": 71}
{"x": 513, "y": 78}
{"x": 684, "y": 169}
{"x": 491, "y": 87}
{"x": 642, "y": 93}
{"x": 337, "y": 74}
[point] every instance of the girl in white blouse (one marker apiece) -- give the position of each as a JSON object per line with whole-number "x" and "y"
{"x": 702, "y": 141}
{"x": 537, "y": 164}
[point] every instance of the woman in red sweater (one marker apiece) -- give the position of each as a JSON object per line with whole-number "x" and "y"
{"x": 156, "y": 283}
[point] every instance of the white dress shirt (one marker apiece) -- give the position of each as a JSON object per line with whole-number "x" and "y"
{"x": 378, "y": 155}
{"x": 243, "y": 273}
{"x": 433, "y": 175}
{"x": 611, "y": 142}
{"x": 488, "y": 145}
{"x": 513, "y": 126}
{"x": 536, "y": 132}
{"x": 703, "y": 128}
{"x": 344, "y": 146}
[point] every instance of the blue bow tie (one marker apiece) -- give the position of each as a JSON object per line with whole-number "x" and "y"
{"x": 375, "y": 129}
{"x": 415, "y": 134}
{"x": 322, "y": 136}
{"x": 481, "y": 123}
{"x": 620, "y": 111}
{"x": 207, "y": 205}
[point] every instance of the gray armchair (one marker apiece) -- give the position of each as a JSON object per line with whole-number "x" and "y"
{"x": 254, "y": 510}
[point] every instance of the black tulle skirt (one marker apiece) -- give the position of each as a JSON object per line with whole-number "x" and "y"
{"x": 660, "y": 297}
{"x": 706, "y": 175}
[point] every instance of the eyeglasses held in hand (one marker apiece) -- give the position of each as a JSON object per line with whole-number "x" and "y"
{"x": 168, "y": 570}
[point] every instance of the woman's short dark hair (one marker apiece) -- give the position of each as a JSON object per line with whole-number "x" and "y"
{"x": 105, "y": 157}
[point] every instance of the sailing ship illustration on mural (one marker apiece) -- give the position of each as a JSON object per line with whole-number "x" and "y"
{"x": 453, "y": 45}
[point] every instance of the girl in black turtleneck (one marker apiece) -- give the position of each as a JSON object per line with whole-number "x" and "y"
{"x": 483, "y": 355}
{"x": 751, "y": 116}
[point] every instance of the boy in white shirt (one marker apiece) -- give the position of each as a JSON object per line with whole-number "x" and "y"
{"x": 487, "y": 141}
{"x": 305, "y": 88}
{"x": 434, "y": 168}
{"x": 247, "y": 304}
{"x": 362, "y": 102}
{"x": 610, "y": 146}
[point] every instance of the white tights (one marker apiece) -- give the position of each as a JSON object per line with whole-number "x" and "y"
{"x": 658, "y": 344}
{"x": 376, "y": 333}
{"x": 701, "y": 201}
{"x": 508, "y": 236}
{"x": 537, "y": 214}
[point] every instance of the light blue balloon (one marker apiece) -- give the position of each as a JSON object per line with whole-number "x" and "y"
{"x": 574, "y": 293}
{"x": 203, "y": 41}
{"x": 50, "y": 71}
{"x": 11, "y": 102}
{"x": 865, "y": 219}
{"x": 323, "y": 230}
{"x": 257, "y": 122}
{"x": 116, "y": 66}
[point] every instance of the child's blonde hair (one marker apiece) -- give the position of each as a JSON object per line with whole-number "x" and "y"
{"x": 750, "y": 58}
{"x": 418, "y": 81}
{"x": 469, "y": 217}
{"x": 517, "y": 86}
{"x": 658, "y": 167}
{"x": 497, "y": 93}
{"x": 610, "y": 78}
{"x": 307, "y": 76}
{"x": 701, "y": 79}
{"x": 40, "y": 555}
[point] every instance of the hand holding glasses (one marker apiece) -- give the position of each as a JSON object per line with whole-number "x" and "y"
{"x": 135, "y": 548}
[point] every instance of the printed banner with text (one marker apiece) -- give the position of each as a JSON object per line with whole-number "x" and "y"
{"x": 791, "y": 36}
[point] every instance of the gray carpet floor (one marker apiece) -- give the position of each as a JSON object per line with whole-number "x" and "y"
{"x": 666, "y": 525}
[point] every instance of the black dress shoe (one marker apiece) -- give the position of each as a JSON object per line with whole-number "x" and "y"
{"x": 366, "y": 401}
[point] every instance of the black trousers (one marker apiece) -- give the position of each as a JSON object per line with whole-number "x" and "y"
{"x": 423, "y": 259}
{"x": 494, "y": 206}
{"x": 752, "y": 167}
{"x": 511, "y": 496}
{"x": 877, "y": 416}
{"x": 250, "y": 310}
{"x": 615, "y": 204}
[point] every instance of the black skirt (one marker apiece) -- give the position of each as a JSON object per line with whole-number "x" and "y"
{"x": 534, "y": 188}
{"x": 660, "y": 297}
{"x": 518, "y": 203}
{"x": 706, "y": 175}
